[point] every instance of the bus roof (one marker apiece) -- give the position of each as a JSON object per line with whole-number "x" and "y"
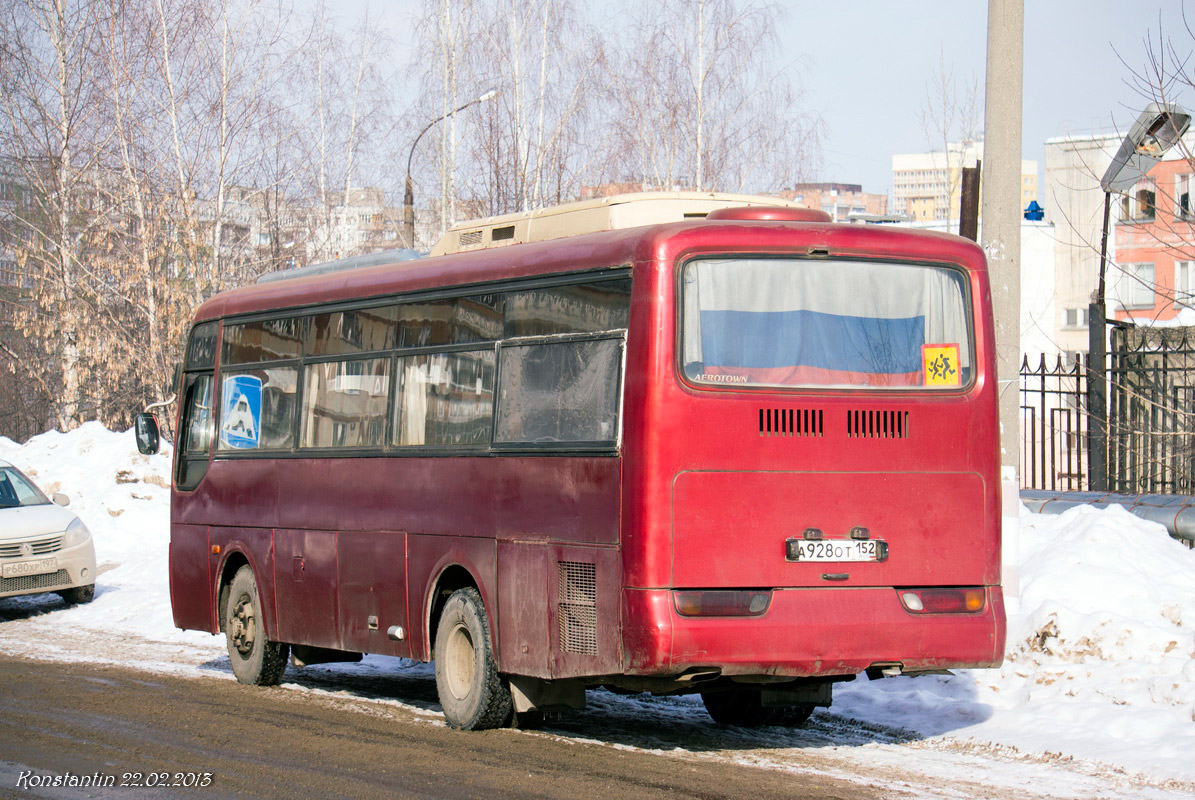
{"x": 594, "y": 251}
{"x": 630, "y": 210}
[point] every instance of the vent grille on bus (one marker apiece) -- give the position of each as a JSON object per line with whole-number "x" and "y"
{"x": 877, "y": 424}
{"x": 577, "y": 607}
{"x": 790, "y": 422}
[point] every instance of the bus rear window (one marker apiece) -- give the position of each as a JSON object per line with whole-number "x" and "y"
{"x": 787, "y": 322}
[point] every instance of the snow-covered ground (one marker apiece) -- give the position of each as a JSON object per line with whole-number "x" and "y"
{"x": 1096, "y": 697}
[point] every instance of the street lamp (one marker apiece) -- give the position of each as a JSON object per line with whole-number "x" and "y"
{"x": 408, "y": 208}
{"x": 1159, "y": 127}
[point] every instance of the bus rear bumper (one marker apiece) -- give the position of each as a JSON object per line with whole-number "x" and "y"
{"x": 809, "y": 633}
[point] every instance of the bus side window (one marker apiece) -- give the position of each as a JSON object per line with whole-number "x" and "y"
{"x": 559, "y": 392}
{"x": 257, "y": 408}
{"x": 344, "y": 403}
{"x": 445, "y": 399}
{"x": 586, "y": 308}
{"x": 198, "y": 426}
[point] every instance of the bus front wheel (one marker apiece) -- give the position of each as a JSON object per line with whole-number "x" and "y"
{"x": 255, "y": 659}
{"x": 472, "y": 694}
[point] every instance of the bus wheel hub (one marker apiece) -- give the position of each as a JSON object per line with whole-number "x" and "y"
{"x": 243, "y": 629}
{"x": 461, "y": 662}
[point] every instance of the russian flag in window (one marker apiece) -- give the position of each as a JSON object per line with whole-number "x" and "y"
{"x": 788, "y": 322}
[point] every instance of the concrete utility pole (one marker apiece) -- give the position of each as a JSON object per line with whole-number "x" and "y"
{"x": 1001, "y": 211}
{"x": 1000, "y": 206}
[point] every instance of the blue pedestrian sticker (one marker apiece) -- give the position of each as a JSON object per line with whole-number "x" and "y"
{"x": 240, "y": 421}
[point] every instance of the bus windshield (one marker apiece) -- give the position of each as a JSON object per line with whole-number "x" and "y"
{"x": 788, "y": 322}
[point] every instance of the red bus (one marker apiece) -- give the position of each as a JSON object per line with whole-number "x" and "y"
{"x": 746, "y": 453}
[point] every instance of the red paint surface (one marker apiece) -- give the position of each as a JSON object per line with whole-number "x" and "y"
{"x": 697, "y": 499}
{"x": 775, "y": 213}
{"x": 933, "y": 524}
{"x": 428, "y": 558}
{"x": 240, "y": 545}
{"x": 190, "y": 592}
{"x": 371, "y": 581}
{"x": 305, "y": 585}
{"x": 808, "y": 632}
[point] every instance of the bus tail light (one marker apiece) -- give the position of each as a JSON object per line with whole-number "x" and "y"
{"x": 944, "y": 601}
{"x": 722, "y": 603}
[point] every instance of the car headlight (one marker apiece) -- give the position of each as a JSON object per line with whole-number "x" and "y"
{"x": 76, "y": 533}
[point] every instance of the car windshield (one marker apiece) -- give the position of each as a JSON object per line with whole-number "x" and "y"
{"x": 786, "y": 322}
{"x": 17, "y": 490}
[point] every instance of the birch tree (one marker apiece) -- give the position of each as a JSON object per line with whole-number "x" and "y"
{"x": 447, "y": 33}
{"x": 698, "y": 102}
{"x": 341, "y": 80}
{"x": 531, "y": 145}
{"x": 54, "y": 136}
{"x": 951, "y": 114}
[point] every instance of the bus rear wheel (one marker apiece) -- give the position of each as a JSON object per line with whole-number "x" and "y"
{"x": 472, "y": 694}
{"x": 255, "y": 659}
{"x": 743, "y": 707}
{"x": 796, "y": 716}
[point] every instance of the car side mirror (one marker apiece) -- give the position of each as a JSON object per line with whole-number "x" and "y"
{"x": 145, "y": 428}
{"x": 60, "y": 499}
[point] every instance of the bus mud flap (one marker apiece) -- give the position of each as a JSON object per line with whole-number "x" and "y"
{"x": 536, "y": 694}
{"x": 302, "y": 655}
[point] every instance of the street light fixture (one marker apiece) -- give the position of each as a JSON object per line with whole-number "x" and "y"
{"x": 1159, "y": 127}
{"x": 408, "y": 210}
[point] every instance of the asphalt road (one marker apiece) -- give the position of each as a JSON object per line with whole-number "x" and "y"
{"x": 61, "y": 720}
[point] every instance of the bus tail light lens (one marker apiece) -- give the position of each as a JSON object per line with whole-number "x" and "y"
{"x": 722, "y": 603}
{"x": 944, "y": 601}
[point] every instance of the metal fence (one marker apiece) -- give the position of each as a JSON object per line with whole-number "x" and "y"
{"x": 1150, "y": 383}
{"x": 1054, "y": 426}
{"x": 1151, "y": 414}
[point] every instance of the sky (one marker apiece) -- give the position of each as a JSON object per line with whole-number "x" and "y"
{"x": 865, "y": 65}
{"x": 869, "y": 62}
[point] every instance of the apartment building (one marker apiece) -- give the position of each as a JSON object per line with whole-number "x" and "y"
{"x": 264, "y": 230}
{"x": 354, "y": 223}
{"x": 926, "y": 187}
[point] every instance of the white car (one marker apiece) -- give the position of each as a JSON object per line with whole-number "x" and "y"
{"x": 43, "y": 547}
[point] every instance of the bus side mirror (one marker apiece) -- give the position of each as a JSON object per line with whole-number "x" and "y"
{"x": 145, "y": 428}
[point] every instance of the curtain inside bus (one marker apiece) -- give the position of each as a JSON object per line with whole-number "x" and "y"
{"x": 800, "y": 322}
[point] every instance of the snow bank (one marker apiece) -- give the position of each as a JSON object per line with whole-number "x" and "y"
{"x": 1100, "y": 662}
{"x": 124, "y": 498}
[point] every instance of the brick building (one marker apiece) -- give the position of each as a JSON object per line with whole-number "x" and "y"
{"x": 1153, "y": 277}
{"x": 839, "y": 200}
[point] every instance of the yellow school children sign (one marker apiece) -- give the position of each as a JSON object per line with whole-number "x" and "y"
{"x": 940, "y": 365}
